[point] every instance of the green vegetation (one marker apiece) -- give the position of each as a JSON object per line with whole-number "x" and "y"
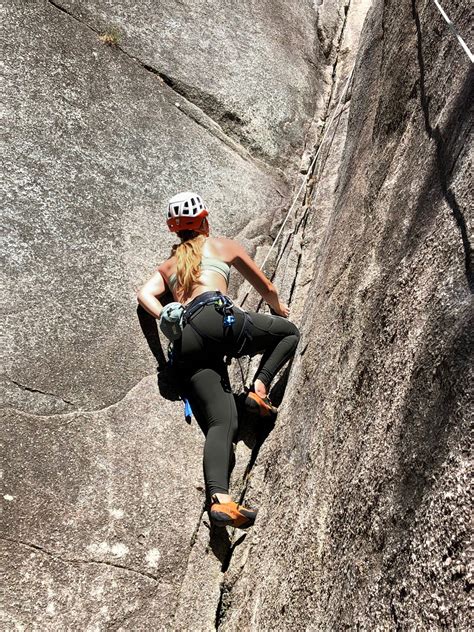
{"x": 110, "y": 37}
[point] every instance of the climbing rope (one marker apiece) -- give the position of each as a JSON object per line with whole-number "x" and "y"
{"x": 308, "y": 173}
{"x": 454, "y": 31}
{"x": 336, "y": 113}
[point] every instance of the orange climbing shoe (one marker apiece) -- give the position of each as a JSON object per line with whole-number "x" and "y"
{"x": 231, "y": 515}
{"x": 260, "y": 405}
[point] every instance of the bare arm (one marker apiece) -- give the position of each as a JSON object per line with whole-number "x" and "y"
{"x": 254, "y": 275}
{"x": 148, "y": 294}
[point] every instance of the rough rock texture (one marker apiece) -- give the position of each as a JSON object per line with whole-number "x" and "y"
{"x": 362, "y": 485}
{"x": 98, "y": 138}
{"x": 88, "y": 537}
{"x": 255, "y": 67}
{"x": 96, "y": 147}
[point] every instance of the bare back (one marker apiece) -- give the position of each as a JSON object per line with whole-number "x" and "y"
{"x": 209, "y": 280}
{"x": 223, "y": 251}
{"x": 226, "y": 250}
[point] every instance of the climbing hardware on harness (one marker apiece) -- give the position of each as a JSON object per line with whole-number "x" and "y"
{"x": 224, "y": 305}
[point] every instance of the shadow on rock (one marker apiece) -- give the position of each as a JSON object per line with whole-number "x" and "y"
{"x": 149, "y": 329}
{"x": 254, "y": 430}
{"x": 220, "y": 544}
{"x": 447, "y": 146}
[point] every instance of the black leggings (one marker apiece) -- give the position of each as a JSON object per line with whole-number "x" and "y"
{"x": 199, "y": 358}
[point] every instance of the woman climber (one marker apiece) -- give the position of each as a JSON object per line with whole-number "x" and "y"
{"x": 211, "y": 328}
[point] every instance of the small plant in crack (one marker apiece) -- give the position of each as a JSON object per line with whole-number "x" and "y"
{"x": 110, "y": 37}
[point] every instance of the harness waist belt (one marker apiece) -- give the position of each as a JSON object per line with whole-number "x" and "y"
{"x": 213, "y": 297}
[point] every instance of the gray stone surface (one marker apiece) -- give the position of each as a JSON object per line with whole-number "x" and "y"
{"x": 362, "y": 486}
{"x": 95, "y": 149}
{"x": 256, "y": 67}
{"x": 99, "y": 512}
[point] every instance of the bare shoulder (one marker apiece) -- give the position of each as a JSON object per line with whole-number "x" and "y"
{"x": 224, "y": 248}
{"x": 220, "y": 242}
{"x": 167, "y": 266}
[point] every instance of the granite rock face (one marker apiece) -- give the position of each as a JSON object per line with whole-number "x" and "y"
{"x": 254, "y": 67}
{"x": 90, "y": 519}
{"x": 96, "y": 147}
{"x": 362, "y": 485}
{"x": 98, "y": 138}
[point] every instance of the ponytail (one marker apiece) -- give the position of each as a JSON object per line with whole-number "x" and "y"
{"x": 188, "y": 255}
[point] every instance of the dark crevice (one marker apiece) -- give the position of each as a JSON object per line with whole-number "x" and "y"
{"x": 192, "y": 542}
{"x": 442, "y": 151}
{"x": 193, "y": 538}
{"x": 113, "y": 565}
{"x": 227, "y": 559}
{"x": 219, "y": 607}
{"x": 60, "y": 8}
{"x": 74, "y": 419}
{"x": 264, "y": 430}
{"x": 278, "y": 389}
{"x": 223, "y": 589}
{"x": 293, "y": 285}
{"x": 327, "y": 113}
{"x": 458, "y": 153}
{"x": 36, "y": 390}
{"x": 229, "y": 123}
{"x": 393, "y": 612}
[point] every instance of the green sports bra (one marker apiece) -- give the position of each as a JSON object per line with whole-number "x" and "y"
{"x": 208, "y": 263}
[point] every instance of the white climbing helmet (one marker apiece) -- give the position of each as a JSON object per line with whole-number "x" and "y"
{"x": 186, "y": 211}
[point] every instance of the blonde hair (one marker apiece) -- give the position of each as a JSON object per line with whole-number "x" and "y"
{"x": 188, "y": 261}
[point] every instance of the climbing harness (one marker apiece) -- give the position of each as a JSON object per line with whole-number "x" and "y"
{"x": 222, "y": 304}
{"x": 177, "y": 319}
{"x": 225, "y": 306}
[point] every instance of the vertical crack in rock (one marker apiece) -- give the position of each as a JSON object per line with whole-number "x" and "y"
{"x": 300, "y": 230}
{"x": 324, "y": 117}
{"x": 215, "y": 119}
{"x": 442, "y": 156}
{"x": 297, "y": 232}
{"x": 393, "y": 612}
{"x": 192, "y": 542}
{"x": 223, "y": 589}
{"x": 293, "y": 285}
{"x": 219, "y": 607}
{"x": 332, "y": 90}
